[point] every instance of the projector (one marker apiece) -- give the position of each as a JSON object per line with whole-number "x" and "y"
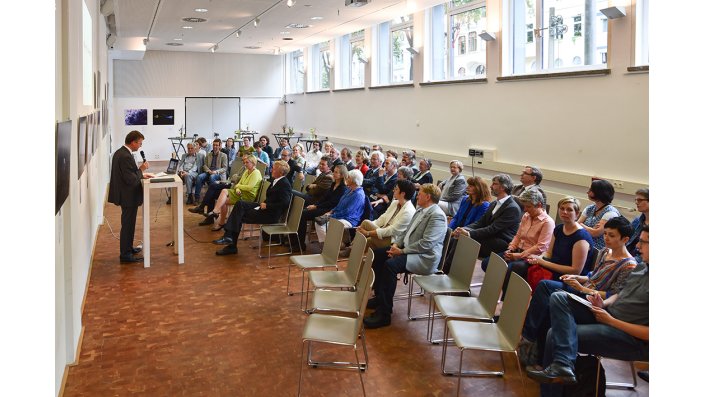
{"x": 356, "y": 3}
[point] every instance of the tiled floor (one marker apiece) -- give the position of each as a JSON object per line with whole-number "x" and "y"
{"x": 224, "y": 326}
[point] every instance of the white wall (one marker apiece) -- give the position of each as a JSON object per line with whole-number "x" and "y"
{"x": 594, "y": 126}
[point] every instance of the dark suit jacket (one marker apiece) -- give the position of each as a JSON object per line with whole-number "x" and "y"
{"x": 323, "y": 183}
{"x": 125, "y": 180}
{"x": 370, "y": 181}
{"x": 278, "y": 199}
{"x": 388, "y": 187}
{"x": 427, "y": 178}
{"x": 503, "y": 225}
{"x": 293, "y": 169}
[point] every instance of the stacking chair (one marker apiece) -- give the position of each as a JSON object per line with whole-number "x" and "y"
{"x": 261, "y": 196}
{"x": 344, "y": 302}
{"x": 290, "y": 227}
{"x": 502, "y": 336}
{"x": 411, "y": 293}
{"x": 346, "y": 279}
{"x": 262, "y": 167}
{"x": 457, "y": 281}
{"x": 337, "y": 330}
{"x": 615, "y": 385}
{"x": 480, "y": 308}
{"x": 327, "y": 258}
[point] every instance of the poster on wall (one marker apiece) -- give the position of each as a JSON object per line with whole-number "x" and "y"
{"x": 163, "y": 117}
{"x": 135, "y": 116}
{"x": 81, "y": 149}
{"x": 63, "y": 157}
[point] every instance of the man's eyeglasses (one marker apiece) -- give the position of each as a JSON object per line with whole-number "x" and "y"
{"x": 639, "y": 200}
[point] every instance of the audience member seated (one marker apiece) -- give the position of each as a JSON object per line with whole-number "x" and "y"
{"x": 530, "y": 178}
{"x": 347, "y": 158}
{"x": 294, "y": 170}
{"x": 314, "y": 192}
{"x": 415, "y": 249}
{"x": 408, "y": 159}
{"x": 362, "y": 161}
{"x": 260, "y": 155}
{"x": 190, "y": 165}
{"x": 215, "y": 165}
{"x": 424, "y": 175}
{"x": 283, "y": 145}
{"x": 246, "y": 189}
{"x": 327, "y": 202}
{"x": 202, "y": 146}
{"x": 372, "y": 175}
{"x": 452, "y": 189}
{"x": 264, "y": 142}
{"x": 595, "y": 215}
{"x": 612, "y": 268}
{"x": 569, "y": 252}
{"x": 378, "y": 148}
{"x": 313, "y": 157}
{"x": 642, "y": 205}
{"x": 297, "y": 154}
{"x": 267, "y": 212}
{"x": 497, "y": 227}
{"x": 230, "y": 150}
{"x": 350, "y": 207}
{"x": 387, "y": 179}
{"x": 327, "y": 147}
{"x": 616, "y": 327}
{"x": 394, "y": 221}
{"x": 366, "y": 149}
{"x": 532, "y": 238}
{"x": 208, "y": 203}
{"x": 474, "y": 204}
{"x": 246, "y": 148}
{"x": 334, "y": 158}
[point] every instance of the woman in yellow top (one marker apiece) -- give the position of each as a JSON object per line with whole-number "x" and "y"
{"x": 246, "y": 190}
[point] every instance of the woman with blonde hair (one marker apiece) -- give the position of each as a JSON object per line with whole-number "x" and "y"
{"x": 246, "y": 189}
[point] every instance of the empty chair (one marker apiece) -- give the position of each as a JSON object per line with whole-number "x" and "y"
{"x": 346, "y": 279}
{"x": 290, "y": 227}
{"x": 502, "y": 336}
{"x": 327, "y": 258}
{"x": 337, "y": 330}
{"x": 457, "y": 281}
{"x": 481, "y": 308}
{"x": 344, "y": 302}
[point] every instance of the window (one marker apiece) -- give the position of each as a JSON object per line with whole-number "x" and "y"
{"x": 351, "y": 55}
{"x": 87, "y": 70}
{"x": 641, "y": 45}
{"x": 320, "y": 67}
{"x": 393, "y": 39}
{"x": 453, "y": 42}
{"x": 552, "y": 20}
{"x": 295, "y": 75}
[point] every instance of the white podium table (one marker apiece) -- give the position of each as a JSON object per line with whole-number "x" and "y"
{"x": 177, "y": 215}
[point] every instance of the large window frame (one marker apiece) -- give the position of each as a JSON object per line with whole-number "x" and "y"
{"x": 321, "y": 64}
{"x": 559, "y": 40}
{"x": 296, "y": 72}
{"x": 351, "y": 60}
{"x": 641, "y": 33}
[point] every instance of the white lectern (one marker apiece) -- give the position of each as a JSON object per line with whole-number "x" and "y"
{"x": 177, "y": 214}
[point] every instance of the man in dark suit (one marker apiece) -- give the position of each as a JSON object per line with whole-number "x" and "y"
{"x": 126, "y": 191}
{"x": 267, "y": 212}
{"x": 369, "y": 183}
{"x": 497, "y": 227}
{"x": 416, "y": 249}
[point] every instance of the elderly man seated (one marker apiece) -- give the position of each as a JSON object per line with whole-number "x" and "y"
{"x": 267, "y": 212}
{"x": 616, "y": 327}
{"x": 453, "y": 189}
{"x": 386, "y": 180}
{"x": 416, "y": 249}
{"x": 369, "y": 182}
{"x": 189, "y": 167}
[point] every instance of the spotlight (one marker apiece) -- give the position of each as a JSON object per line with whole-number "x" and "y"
{"x": 145, "y": 41}
{"x": 257, "y": 21}
{"x": 238, "y": 33}
{"x": 214, "y": 48}
{"x": 290, "y": 3}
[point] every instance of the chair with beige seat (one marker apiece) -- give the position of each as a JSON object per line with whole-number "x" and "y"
{"x": 502, "y": 336}
{"x": 288, "y": 229}
{"x": 344, "y": 302}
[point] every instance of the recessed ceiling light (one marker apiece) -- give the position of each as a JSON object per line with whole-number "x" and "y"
{"x": 187, "y": 27}
{"x": 316, "y": 18}
{"x": 174, "y": 44}
{"x": 283, "y": 32}
{"x": 178, "y": 39}
{"x": 308, "y": 5}
{"x": 297, "y": 26}
{"x": 253, "y": 47}
{"x": 201, "y": 10}
{"x": 288, "y": 38}
{"x": 194, "y": 19}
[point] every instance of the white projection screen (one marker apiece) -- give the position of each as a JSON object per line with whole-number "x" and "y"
{"x": 208, "y": 115}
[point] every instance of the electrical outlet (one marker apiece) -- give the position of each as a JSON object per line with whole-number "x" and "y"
{"x": 476, "y": 153}
{"x": 156, "y": 156}
{"x": 618, "y": 184}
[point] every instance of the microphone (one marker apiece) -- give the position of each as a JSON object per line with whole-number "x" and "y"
{"x": 144, "y": 159}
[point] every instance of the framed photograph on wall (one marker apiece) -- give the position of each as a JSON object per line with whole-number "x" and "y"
{"x": 163, "y": 117}
{"x": 97, "y": 135}
{"x": 81, "y": 146}
{"x": 135, "y": 116}
{"x": 62, "y": 173}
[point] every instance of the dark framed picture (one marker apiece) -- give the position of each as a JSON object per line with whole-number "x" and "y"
{"x": 135, "y": 116}
{"x": 81, "y": 149}
{"x": 62, "y": 174}
{"x": 163, "y": 117}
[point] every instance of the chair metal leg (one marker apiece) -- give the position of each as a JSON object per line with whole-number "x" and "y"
{"x": 521, "y": 376}
{"x": 359, "y": 371}
{"x": 616, "y": 385}
{"x": 460, "y": 371}
{"x": 301, "y": 367}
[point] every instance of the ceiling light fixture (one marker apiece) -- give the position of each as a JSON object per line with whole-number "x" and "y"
{"x": 238, "y": 33}
{"x": 316, "y": 18}
{"x": 178, "y": 39}
{"x": 201, "y": 10}
{"x": 290, "y": 3}
{"x": 214, "y": 48}
{"x": 187, "y": 27}
{"x": 488, "y": 36}
{"x": 614, "y": 12}
{"x": 257, "y": 22}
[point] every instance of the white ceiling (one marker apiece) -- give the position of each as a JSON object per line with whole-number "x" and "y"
{"x": 161, "y": 21}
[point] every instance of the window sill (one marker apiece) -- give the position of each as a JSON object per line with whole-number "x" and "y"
{"x": 459, "y": 81}
{"x": 317, "y": 92}
{"x": 349, "y": 89}
{"x": 638, "y": 69}
{"x": 579, "y": 73}
{"x": 392, "y": 86}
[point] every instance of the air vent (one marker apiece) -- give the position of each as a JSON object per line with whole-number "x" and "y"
{"x": 194, "y": 19}
{"x": 288, "y": 38}
{"x": 297, "y": 26}
{"x": 175, "y": 44}
{"x": 253, "y": 47}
